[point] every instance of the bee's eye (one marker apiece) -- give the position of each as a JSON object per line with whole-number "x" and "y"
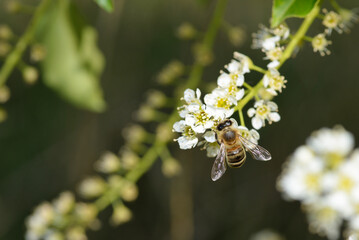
{"x": 228, "y": 123}
{"x": 220, "y": 127}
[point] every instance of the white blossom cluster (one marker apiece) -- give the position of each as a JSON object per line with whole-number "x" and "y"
{"x": 324, "y": 176}
{"x": 340, "y": 21}
{"x": 271, "y": 41}
{"x": 66, "y": 218}
{"x": 200, "y": 118}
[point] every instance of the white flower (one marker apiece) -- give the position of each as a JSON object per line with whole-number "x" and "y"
{"x": 211, "y": 144}
{"x": 264, "y": 39}
{"x": 245, "y": 62}
{"x": 201, "y": 119}
{"x": 334, "y": 144}
{"x": 266, "y": 234}
{"x": 210, "y": 136}
{"x": 263, "y": 110}
{"x": 320, "y": 44}
{"x": 270, "y": 43}
{"x": 190, "y": 96}
{"x": 212, "y": 149}
{"x": 274, "y": 82}
{"x": 323, "y": 175}
{"x": 302, "y": 182}
{"x": 323, "y": 220}
{"x": 251, "y": 135}
{"x": 332, "y": 20}
{"x": 192, "y": 100}
{"x": 222, "y": 100}
{"x": 282, "y": 31}
{"x": 348, "y": 17}
{"x": 188, "y": 139}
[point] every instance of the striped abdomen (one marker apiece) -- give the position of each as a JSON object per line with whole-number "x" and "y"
{"x": 236, "y": 156}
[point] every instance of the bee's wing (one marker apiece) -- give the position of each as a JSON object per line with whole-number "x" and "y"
{"x": 257, "y": 152}
{"x": 219, "y": 165}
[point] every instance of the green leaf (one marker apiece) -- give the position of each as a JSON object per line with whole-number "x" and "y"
{"x": 73, "y": 63}
{"x": 105, "y": 4}
{"x": 283, "y": 9}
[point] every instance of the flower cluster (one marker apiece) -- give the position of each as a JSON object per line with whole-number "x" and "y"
{"x": 65, "y": 218}
{"x": 271, "y": 42}
{"x": 200, "y": 118}
{"x": 340, "y": 21}
{"x": 323, "y": 175}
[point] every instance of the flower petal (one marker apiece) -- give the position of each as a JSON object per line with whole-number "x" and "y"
{"x": 257, "y": 123}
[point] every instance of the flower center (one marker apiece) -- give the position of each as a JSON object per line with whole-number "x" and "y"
{"x": 263, "y": 110}
{"x": 234, "y": 76}
{"x": 312, "y": 181}
{"x": 277, "y": 82}
{"x": 346, "y": 184}
{"x": 202, "y": 117}
{"x": 334, "y": 160}
{"x": 223, "y": 103}
{"x": 331, "y": 20}
{"x": 188, "y": 132}
{"x": 319, "y": 42}
{"x": 275, "y": 54}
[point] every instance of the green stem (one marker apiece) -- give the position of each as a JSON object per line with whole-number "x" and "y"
{"x": 14, "y": 57}
{"x": 247, "y": 86}
{"x": 335, "y": 5}
{"x": 241, "y": 118}
{"x": 300, "y": 34}
{"x": 258, "y": 69}
{"x": 194, "y": 78}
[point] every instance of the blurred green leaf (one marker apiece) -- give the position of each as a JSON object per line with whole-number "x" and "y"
{"x": 73, "y": 63}
{"x": 105, "y": 4}
{"x": 283, "y": 9}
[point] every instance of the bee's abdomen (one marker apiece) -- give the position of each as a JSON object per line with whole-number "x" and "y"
{"x": 236, "y": 157}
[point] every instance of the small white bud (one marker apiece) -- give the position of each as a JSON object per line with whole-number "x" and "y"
{"x": 64, "y": 203}
{"x": 30, "y": 75}
{"x": 108, "y": 163}
{"x": 92, "y": 187}
{"x": 4, "y": 94}
{"x": 121, "y": 214}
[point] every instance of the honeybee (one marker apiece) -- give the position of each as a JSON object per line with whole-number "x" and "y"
{"x": 233, "y": 147}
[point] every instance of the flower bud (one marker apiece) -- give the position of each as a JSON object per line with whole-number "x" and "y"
{"x": 54, "y": 235}
{"x": 5, "y": 32}
{"x": 121, "y": 214}
{"x": 236, "y": 36}
{"x": 129, "y": 159}
{"x": 5, "y": 48}
{"x": 170, "y": 72}
{"x": 156, "y": 99}
{"x": 134, "y": 134}
{"x": 37, "y": 53}
{"x": 76, "y": 233}
{"x": 129, "y": 191}
{"x": 64, "y": 203}
{"x": 108, "y": 163}
{"x": 171, "y": 167}
{"x": 92, "y": 187}
{"x": 202, "y": 54}
{"x": 186, "y": 31}
{"x": 3, "y": 115}
{"x": 4, "y": 94}
{"x": 145, "y": 114}
{"x": 164, "y": 132}
{"x": 86, "y": 212}
{"x": 30, "y": 75}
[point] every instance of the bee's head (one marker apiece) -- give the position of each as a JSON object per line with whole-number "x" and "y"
{"x": 225, "y": 123}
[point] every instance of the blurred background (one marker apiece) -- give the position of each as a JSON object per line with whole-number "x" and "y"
{"x": 47, "y": 145}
